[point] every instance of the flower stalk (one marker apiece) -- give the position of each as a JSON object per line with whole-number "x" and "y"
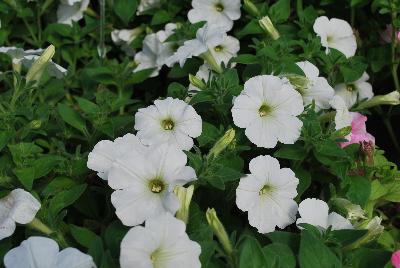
{"x": 38, "y": 225}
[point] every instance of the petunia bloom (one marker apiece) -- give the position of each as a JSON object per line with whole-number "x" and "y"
{"x": 316, "y": 212}
{"x": 268, "y": 108}
{"x": 124, "y": 38}
{"x": 337, "y": 34}
{"x": 161, "y": 243}
{"x": 71, "y": 10}
{"x": 43, "y": 252}
{"x": 169, "y": 121}
{"x": 396, "y": 259}
{"x": 358, "y": 130}
{"x": 267, "y": 194}
{"x": 19, "y": 206}
{"x": 217, "y": 12}
{"x": 144, "y": 182}
{"x": 356, "y": 91}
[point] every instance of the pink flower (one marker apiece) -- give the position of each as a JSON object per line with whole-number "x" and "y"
{"x": 386, "y": 35}
{"x": 396, "y": 259}
{"x": 358, "y": 130}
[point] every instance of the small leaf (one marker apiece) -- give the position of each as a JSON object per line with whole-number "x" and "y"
{"x": 125, "y": 9}
{"x": 72, "y": 117}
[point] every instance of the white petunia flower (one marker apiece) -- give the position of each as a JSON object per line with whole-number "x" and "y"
{"x": 207, "y": 38}
{"x": 267, "y": 194}
{"x": 106, "y": 152}
{"x": 267, "y": 109}
{"x": 71, "y": 10}
{"x": 336, "y": 33}
{"x": 144, "y": 182}
{"x": 356, "y": 91}
{"x": 217, "y": 12}
{"x": 124, "y": 38}
{"x": 161, "y": 243}
{"x": 225, "y": 51}
{"x": 27, "y": 57}
{"x": 146, "y": 5}
{"x": 43, "y": 252}
{"x": 317, "y": 89}
{"x": 343, "y": 117}
{"x": 316, "y": 212}
{"x": 19, "y": 206}
{"x": 169, "y": 121}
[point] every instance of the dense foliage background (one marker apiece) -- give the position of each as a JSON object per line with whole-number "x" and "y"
{"x": 47, "y": 129}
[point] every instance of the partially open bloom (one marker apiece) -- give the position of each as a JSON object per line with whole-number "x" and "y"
{"x": 203, "y": 73}
{"x": 356, "y": 91}
{"x": 216, "y": 12}
{"x": 144, "y": 182}
{"x": 358, "y": 130}
{"x": 168, "y": 121}
{"x": 316, "y": 212}
{"x": 268, "y": 108}
{"x": 161, "y": 243}
{"x": 337, "y": 34}
{"x": 19, "y": 206}
{"x": 71, "y": 10}
{"x": 396, "y": 259}
{"x": 316, "y": 89}
{"x": 43, "y": 252}
{"x": 106, "y": 152}
{"x": 267, "y": 194}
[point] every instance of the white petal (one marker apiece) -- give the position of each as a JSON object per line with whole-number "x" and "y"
{"x": 73, "y": 258}
{"x": 313, "y": 211}
{"x": 247, "y": 193}
{"x": 338, "y": 222}
{"x": 25, "y": 206}
{"x": 7, "y": 227}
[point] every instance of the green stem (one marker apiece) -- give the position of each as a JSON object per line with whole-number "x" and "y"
{"x": 101, "y": 48}
{"x": 394, "y": 63}
{"x": 38, "y": 225}
{"x": 299, "y": 7}
{"x": 30, "y": 31}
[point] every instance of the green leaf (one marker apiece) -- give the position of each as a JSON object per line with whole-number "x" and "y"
{"x": 125, "y": 9}
{"x": 66, "y": 198}
{"x": 291, "y": 151}
{"x": 5, "y": 136}
{"x": 346, "y": 237}
{"x": 209, "y": 134}
{"x": 282, "y": 253}
{"x": 176, "y": 90}
{"x": 87, "y": 106}
{"x": 280, "y": 11}
{"x": 251, "y": 28}
{"x": 160, "y": 17}
{"x": 359, "y": 190}
{"x": 72, "y": 117}
{"x": 368, "y": 258}
{"x": 314, "y": 254}
{"x": 290, "y": 239}
{"x": 352, "y": 70}
{"x": 245, "y": 59}
{"x": 57, "y": 185}
{"x": 84, "y": 236}
{"x": 304, "y": 181}
{"x": 113, "y": 236}
{"x": 26, "y": 176}
{"x": 251, "y": 254}
{"x": 139, "y": 76}
{"x": 393, "y": 194}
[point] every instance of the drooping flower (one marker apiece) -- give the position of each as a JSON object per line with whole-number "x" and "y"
{"x": 267, "y": 109}
{"x": 207, "y": 38}
{"x": 27, "y": 57}
{"x": 356, "y": 91}
{"x": 267, "y": 194}
{"x": 145, "y": 5}
{"x": 43, "y": 252}
{"x": 316, "y": 89}
{"x": 106, "y": 152}
{"x": 144, "y": 182}
{"x": 124, "y": 37}
{"x": 358, "y": 130}
{"x": 396, "y": 259}
{"x": 161, "y": 243}
{"x": 168, "y": 121}
{"x": 316, "y": 212}
{"x": 19, "y": 206}
{"x": 71, "y": 10}
{"x": 337, "y": 34}
{"x": 217, "y": 12}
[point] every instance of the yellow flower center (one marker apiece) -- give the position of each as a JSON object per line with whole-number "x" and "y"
{"x": 218, "y": 48}
{"x": 264, "y": 110}
{"x": 219, "y": 7}
{"x": 156, "y": 186}
{"x": 265, "y": 189}
{"x": 168, "y": 124}
{"x": 350, "y": 88}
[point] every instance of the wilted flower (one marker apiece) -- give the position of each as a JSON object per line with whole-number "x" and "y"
{"x": 316, "y": 212}
{"x": 19, "y": 206}
{"x": 336, "y": 33}
{"x": 106, "y": 152}
{"x": 267, "y": 194}
{"x": 358, "y": 131}
{"x": 144, "y": 182}
{"x": 367, "y": 149}
{"x": 268, "y": 108}
{"x": 356, "y": 91}
{"x": 43, "y": 252}
{"x": 221, "y": 13}
{"x": 168, "y": 121}
{"x": 396, "y": 259}
{"x": 161, "y": 243}
{"x": 71, "y": 10}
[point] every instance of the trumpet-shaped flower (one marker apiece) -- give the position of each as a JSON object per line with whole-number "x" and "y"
{"x": 356, "y": 91}
{"x": 316, "y": 212}
{"x": 358, "y": 131}
{"x": 144, "y": 182}
{"x": 106, "y": 152}
{"x": 337, "y": 34}
{"x": 268, "y": 108}
{"x": 226, "y": 50}
{"x": 267, "y": 194}
{"x": 169, "y": 121}
{"x": 19, "y": 206}
{"x": 71, "y": 10}
{"x": 161, "y": 243}
{"x": 217, "y": 12}
{"x": 317, "y": 88}
{"x": 43, "y": 252}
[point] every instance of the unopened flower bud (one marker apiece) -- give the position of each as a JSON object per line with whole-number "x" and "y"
{"x": 251, "y": 8}
{"x": 341, "y": 133}
{"x": 374, "y": 228}
{"x": 209, "y": 58}
{"x": 222, "y": 143}
{"x": 352, "y": 211}
{"x": 269, "y": 28}
{"x": 219, "y": 230}
{"x": 197, "y": 82}
{"x": 185, "y": 197}
{"x": 40, "y": 64}
{"x": 299, "y": 82}
{"x": 367, "y": 149}
{"x": 393, "y": 98}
